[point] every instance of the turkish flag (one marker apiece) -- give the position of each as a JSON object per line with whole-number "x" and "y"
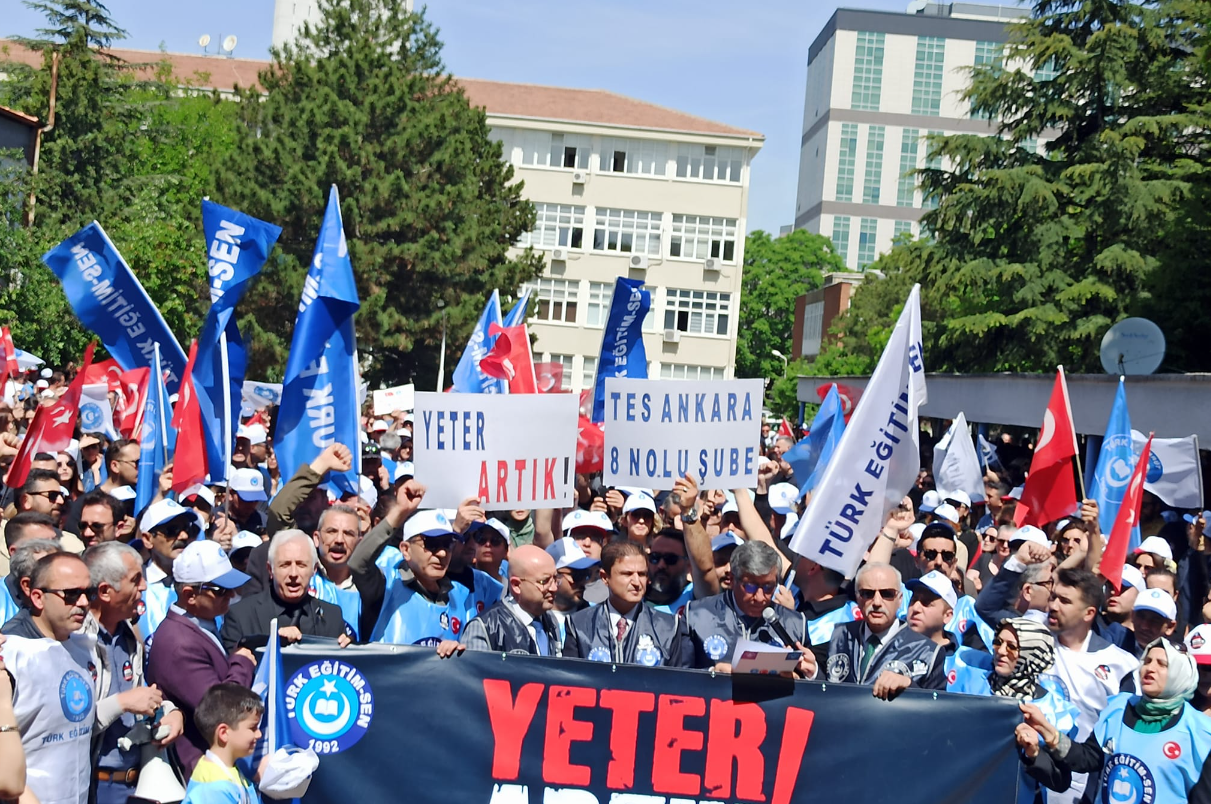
{"x": 11, "y": 369}
{"x": 785, "y": 429}
{"x": 132, "y": 400}
{"x": 549, "y": 377}
{"x": 1128, "y": 517}
{"x": 52, "y": 427}
{"x": 189, "y": 463}
{"x": 511, "y": 359}
{"x": 849, "y": 397}
{"x": 590, "y": 446}
{"x": 1050, "y": 491}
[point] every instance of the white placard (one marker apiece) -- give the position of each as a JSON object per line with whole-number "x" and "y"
{"x": 758, "y": 658}
{"x": 657, "y": 430}
{"x": 389, "y": 400}
{"x": 510, "y": 450}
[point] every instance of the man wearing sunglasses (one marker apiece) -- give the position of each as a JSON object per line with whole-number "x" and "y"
{"x": 491, "y": 545}
{"x": 669, "y": 587}
{"x": 53, "y": 697}
{"x": 880, "y": 650}
{"x": 187, "y": 657}
{"x": 167, "y": 528}
{"x": 102, "y": 518}
{"x": 42, "y": 493}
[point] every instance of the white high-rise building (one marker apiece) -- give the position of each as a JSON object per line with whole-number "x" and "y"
{"x": 289, "y": 16}
{"x": 878, "y": 82}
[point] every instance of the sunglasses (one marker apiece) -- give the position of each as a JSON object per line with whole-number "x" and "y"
{"x": 947, "y": 555}
{"x": 96, "y": 527}
{"x": 53, "y": 495}
{"x": 886, "y": 594}
{"x": 668, "y": 559}
{"x": 1000, "y": 643}
{"x": 767, "y": 588}
{"x": 72, "y": 596}
{"x": 494, "y": 539}
{"x": 214, "y": 589}
{"x": 175, "y": 527}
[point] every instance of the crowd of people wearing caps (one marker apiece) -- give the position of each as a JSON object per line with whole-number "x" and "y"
{"x": 118, "y": 620}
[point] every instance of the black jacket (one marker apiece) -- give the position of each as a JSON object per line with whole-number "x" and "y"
{"x": 907, "y": 653}
{"x": 498, "y": 629}
{"x": 654, "y": 639}
{"x": 251, "y": 615}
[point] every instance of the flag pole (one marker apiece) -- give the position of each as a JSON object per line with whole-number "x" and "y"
{"x": 1076, "y": 456}
{"x": 159, "y": 380}
{"x": 226, "y": 420}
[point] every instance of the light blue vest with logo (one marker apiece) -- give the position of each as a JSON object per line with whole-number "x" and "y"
{"x": 820, "y": 630}
{"x": 409, "y": 618}
{"x": 8, "y": 607}
{"x": 677, "y": 606}
{"x": 965, "y": 618}
{"x": 348, "y": 599}
{"x": 157, "y": 599}
{"x": 1147, "y": 768}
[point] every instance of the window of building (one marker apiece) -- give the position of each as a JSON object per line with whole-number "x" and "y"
{"x": 813, "y": 328}
{"x": 523, "y": 146}
{"x": 868, "y": 230}
{"x": 627, "y": 231}
{"x": 989, "y": 55}
{"x": 906, "y": 188}
{"x": 698, "y": 312}
{"x": 709, "y": 162}
{"x": 601, "y": 295}
{"x": 841, "y": 236}
{"x": 556, "y": 299}
{"x": 588, "y": 373}
{"x": 566, "y": 362}
{"x": 1047, "y": 71}
{"x": 1029, "y": 145}
{"x": 927, "y": 76}
{"x": 933, "y": 161}
{"x": 846, "y": 162}
{"x": 874, "y": 165}
{"x": 644, "y": 157}
{"x": 557, "y": 225}
{"x": 868, "y": 72}
{"x": 696, "y": 237}
{"x": 680, "y": 371}
{"x": 902, "y": 227}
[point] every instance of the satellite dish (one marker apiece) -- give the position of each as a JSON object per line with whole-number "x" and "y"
{"x": 1133, "y": 346}
{"x": 229, "y": 43}
{"x": 203, "y": 40}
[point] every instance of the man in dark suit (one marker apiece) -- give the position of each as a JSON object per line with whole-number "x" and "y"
{"x": 187, "y": 657}
{"x": 292, "y": 563}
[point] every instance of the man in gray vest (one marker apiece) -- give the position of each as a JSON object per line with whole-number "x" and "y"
{"x": 521, "y": 621}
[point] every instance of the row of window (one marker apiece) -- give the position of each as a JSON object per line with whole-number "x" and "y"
{"x": 906, "y": 185}
{"x": 696, "y": 312}
{"x": 530, "y": 148}
{"x": 629, "y": 231}
{"x": 588, "y": 372}
{"x": 868, "y": 229}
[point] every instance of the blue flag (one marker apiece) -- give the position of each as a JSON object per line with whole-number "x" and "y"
{"x": 158, "y": 438}
{"x": 237, "y": 246}
{"x": 270, "y": 683}
{"x": 987, "y": 452}
{"x": 108, "y": 299}
{"x": 622, "y": 351}
{"x": 319, "y": 396}
{"x": 468, "y": 379}
{"x": 518, "y": 314}
{"x": 811, "y": 455}
{"x": 1115, "y": 464}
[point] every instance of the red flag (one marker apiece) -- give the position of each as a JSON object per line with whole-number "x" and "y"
{"x": 510, "y": 359}
{"x": 549, "y": 376}
{"x": 52, "y": 427}
{"x": 1128, "y": 517}
{"x": 132, "y": 399}
{"x": 849, "y": 397}
{"x": 1050, "y": 491}
{"x": 11, "y": 369}
{"x": 189, "y": 462}
{"x": 785, "y": 429}
{"x": 590, "y": 446}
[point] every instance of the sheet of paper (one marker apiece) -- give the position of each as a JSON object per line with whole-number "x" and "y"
{"x": 757, "y": 657}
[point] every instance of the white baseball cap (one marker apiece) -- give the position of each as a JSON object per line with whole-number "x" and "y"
{"x": 959, "y": 497}
{"x": 782, "y": 497}
{"x": 379, "y": 426}
{"x": 937, "y": 583}
{"x": 201, "y": 492}
{"x": 567, "y": 553}
{"x": 256, "y": 433}
{"x": 639, "y": 502}
{"x": 948, "y": 512}
{"x": 123, "y": 493}
{"x": 429, "y": 523}
{"x": 367, "y": 491}
{"x": 205, "y": 562}
{"x": 494, "y": 524}
{"x": 245, "y": 539}
{"x": 586, "y": 519}
{"x": 929, "y": 501}
{"x": 788, "y": 527}
{"x": 916, "y": 529}
{"x": 1157, "y": 601}
{"x": 1134, "y": 578}
{"x": 404, "y": 469}
{"x": 724, "y": 540}
{"x": 1157, "y": 545}
{"x": 1199, "y": 643}
{"x": 1029, "y": 533}
{"x": 248, "y": 483}
{"x": 163, "y": 511}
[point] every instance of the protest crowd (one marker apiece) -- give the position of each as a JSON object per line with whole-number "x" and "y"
{"x": 139, "y": 590}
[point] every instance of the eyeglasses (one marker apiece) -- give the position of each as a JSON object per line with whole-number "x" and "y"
{"x": 947, "y": 555}
{"x": 72, "y": 596}
{"x": 169, "y": 530}
{"x": 126, "y": 460}
{"x": 214, "y": 589}
{"x": 1000, "y": 643}
{"x": 668, "y": 559}
{"x": 435, "y": 544}
{"x": 751, "y": 588}
{"x": 52, "y": 495}
{"x": 886, "y": 594}
{"x": 98, "y": 527}
{"x": 493, "y": 538}
{"x": 544, "y": 583}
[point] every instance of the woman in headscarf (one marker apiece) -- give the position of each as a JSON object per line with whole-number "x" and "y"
{"x": 1021, "y": 651}
{"x": 1150, "y": 747}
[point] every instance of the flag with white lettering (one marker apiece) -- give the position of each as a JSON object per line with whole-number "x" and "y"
{"x": 878, "y": 458}
{"x": 157, "y": 439}
{"x": 237, "y": 246}
{"x": 319, "y": 395}
{"x": 1115, "y": 463}
{"x": 468, "y": 378}
{"x": 622, "y": 352}
{"x": 108, "y": 299}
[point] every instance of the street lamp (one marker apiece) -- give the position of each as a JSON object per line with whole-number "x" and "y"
{"x": 781, "y": 357}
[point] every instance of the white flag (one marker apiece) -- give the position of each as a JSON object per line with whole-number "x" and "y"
{"x": 96, "y": 414}
{"x": 878, "y": 458}
{"x": 1174, "y": 472}
{"x": 956, "y": 467}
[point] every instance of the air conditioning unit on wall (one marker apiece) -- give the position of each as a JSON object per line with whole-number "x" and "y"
{"x": 638, "y": 262}
{"x": 672, "y": 336}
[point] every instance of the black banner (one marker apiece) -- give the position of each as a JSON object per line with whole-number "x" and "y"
{"x": 400, "y": 724}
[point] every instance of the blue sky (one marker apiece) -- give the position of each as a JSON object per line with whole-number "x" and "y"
{"x": 743, "y": 64}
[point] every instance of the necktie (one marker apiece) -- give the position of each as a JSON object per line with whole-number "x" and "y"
{"x": 872, "y": 644}
{"x": 622, "y": 629}
{"x": 540, "y": 638}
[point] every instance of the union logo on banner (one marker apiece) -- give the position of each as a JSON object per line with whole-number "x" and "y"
{"x": 329, "y": 705}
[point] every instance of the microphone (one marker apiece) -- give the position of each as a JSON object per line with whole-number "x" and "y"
{"x": 771, "y": 619}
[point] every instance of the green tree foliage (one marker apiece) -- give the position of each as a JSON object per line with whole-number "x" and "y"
{"x": 363, "y": 101}
{"x": 776, "y": 272}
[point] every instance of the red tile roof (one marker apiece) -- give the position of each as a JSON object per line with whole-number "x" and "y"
{"x": 496, "y": 97}
{"x": 20, "y": 117}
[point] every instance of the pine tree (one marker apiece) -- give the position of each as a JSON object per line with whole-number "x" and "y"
{"x": 362, "y": 100}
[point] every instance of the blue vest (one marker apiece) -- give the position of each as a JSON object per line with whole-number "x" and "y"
{"x": 1156, "y": 767}
{"x": 157, "y": 599}
{"x": 348, "y": 599}
{"x": 8, "y": 606}
{"x": 677, "y": 606}
{"x": 820, "y": 630}
{"x": 965, "y": 618}
{"x": 410, "y": 618}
